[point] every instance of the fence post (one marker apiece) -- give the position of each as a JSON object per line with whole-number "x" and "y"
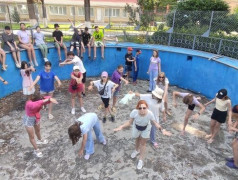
{"x": 210, "y": 24}
{"x": 170, "y": 36}
{"x": 124, "y": 32}
{"x": 219, "y": 49}
{"x": 194, "y": 41}
{"x": 146, "y": 37}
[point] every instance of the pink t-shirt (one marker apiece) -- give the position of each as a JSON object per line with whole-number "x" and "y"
{"x": 154, "y": 63}
{"x": 26, "y": 80}
{"x": 33, "y": 108}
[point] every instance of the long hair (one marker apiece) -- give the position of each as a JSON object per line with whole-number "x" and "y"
{"x": 74, "y": 132}
{"x": 158, "y": 79}
{"x": 141, "y": 102}
{"x": 23, "y": 64}
{"x": 157, "y": 53}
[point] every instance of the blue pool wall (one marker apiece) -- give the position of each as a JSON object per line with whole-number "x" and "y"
{"x": 185, "y": 68}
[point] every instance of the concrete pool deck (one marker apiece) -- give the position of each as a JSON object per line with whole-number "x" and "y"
{"x": 177, "y": 157}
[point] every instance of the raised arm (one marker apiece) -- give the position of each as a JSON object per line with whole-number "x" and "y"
{"x": 72, "y": 24}
{"x": 126, "y": 124}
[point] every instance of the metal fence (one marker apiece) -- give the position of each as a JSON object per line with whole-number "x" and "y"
{"x": 214, "y": 32}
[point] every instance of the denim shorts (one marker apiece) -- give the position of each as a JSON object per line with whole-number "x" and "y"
{"x": 116, "y": 93}
{"x": 43, "y": 92}
{"x": 29, "y": 121}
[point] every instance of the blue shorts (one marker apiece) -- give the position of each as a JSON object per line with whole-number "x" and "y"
{"x": 43, "y": 92}
{"x": 116, "y": 93}
{"x": 29, "y": 121}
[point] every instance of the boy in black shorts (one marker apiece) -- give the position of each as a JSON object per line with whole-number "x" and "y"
{"x": 129, "y": 59}
{"x": 87, "y": 41}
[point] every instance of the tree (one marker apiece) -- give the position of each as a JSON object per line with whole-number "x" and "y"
{"x": 45, "y": 22}
{"x": 203, "y": 5}
{"x": 87, "y": 13}
{"x": 31, "y": 12}
{"x": 16, "y": 16}
{"x": 144, "y": 14}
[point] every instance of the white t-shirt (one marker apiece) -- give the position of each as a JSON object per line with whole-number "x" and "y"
{"x": 222, "y": 105}
{"x": 195, "y": 101}
{"x": 154, "y": 107}
{"x": 142, "y": 120}
{"x": 88, "y": 120}
{"x": 78, "y": 62}
{"x": 108, "y": 88}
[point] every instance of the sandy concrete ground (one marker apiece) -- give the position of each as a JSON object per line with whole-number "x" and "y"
{"x": 177, "y": 157}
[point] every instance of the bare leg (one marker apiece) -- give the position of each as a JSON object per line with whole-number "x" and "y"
{"x": 18, "y": 57}
{"x": 137, "y": 144}
{"x": 50, "y": 105}
{"x": 212, "y": 126}
{"x": 89, "y": 50}
{"x": 73, "y": 100}
{"x": 142, "y": 148}
{"x": 187, "y": 115}
{"x": 102, "y": 51}
{"x": 215, "y": 131}
{"x": 114, "y": 101}
{"x": 59, "y": 53}
{"x": 15, "y": 57}
{"x": 65, "y": 50}
{"x": 77, "y": 48}
{"x": 81, "y": 51}
{"x": 235, "y": 151}
{"x": 28, "y": 49}
{"x": 71, "y": 48}
{"x": 95, "y": 50}
{"x": 30, "y": 131}
{"x": 3, "y": 54}
{"x": 37, "y": 131}
{"x": 33, "y": 53}
{"x": 80, "y": 99}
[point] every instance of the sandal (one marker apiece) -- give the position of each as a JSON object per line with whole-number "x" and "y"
{"x": 156, "y": 145}
{"x": 50, "y": 116}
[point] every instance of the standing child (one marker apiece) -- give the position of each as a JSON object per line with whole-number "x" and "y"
{"x": 154, "y": 69}
{"x": 222, "y": 108}
{"x": 105, "y": 88}
{"x": 117, "y": 78}
{"x": 136, "y": 66}
{"x": 76, "y": 88}
{"x": 58, "y": 39}
{"x": 73, "y": 59}
{"x": 39, "y": 38}
{"x": 27, "y": 79}
{"x": 129, "y": 59}
{"x": 47, "y": 87}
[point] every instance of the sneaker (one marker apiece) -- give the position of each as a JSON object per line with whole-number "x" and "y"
{"x": 83, "y": 110}
{"x": 50, "y": 116}
{"x": 140, "y": 164}
{"x": 148, "y": 91}
{"x": 87, "y": 156}
{"x": 89, "y": 57}
{"x": 18, "y": 65}
{"x": 45, "y": 59}
{"x": 36, "y": 63}
{"x": 73, "y": 111}
{"x": 38, "y": 153}
{"x": 45, "y": 141}
{"x": 104, "y": 119}
{"x": 134, "y": 154}
{"x": 112, "y": 118}
{"x": 231, "y": 165}
{"x": 31, "y": 63}
{"x": 230, "y": 159}
{"x": 83, "y": 94}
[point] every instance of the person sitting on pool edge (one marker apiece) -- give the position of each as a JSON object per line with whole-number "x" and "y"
{"x": 98, "y": 40}
{"x": 83, "y": 128}
{"x": 191, "y": 101}
{"x": 233, "y": 162}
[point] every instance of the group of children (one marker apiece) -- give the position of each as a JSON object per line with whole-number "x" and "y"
{"x": 144, "y": 119}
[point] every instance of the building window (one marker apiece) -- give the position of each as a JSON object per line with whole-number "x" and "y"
{"x": 2, "y": 9}
{"x": 22, "y": 9}
{"x": 82, "y": 13}
{"x": 58, "y": 10}
{"x": 124, "y": 13}
{"x": 112, "y": 12}
{"x": 72, "y": 11}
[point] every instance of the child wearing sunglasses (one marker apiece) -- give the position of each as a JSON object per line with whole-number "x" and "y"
{"x": 105, "y": 89}
{"x": 163, "y": 83}
{"x": 140, "y": 119}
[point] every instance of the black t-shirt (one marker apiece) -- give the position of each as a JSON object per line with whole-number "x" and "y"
{"x": 57, "y": 35}
{"x": 86, "y": 37}
{"x": 130, "y": 57}
{"x": 76, "y": 36}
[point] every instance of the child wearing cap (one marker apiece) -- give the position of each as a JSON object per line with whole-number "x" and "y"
{"x": 233, "y": 162}
{"x": 76, "y": 88}
{"x": 191, "y": 101}
{"x": 105, "y": 88}
{"x": 155, "y": 105}
{"x": 58, "y": 39}
{"x": 73, "y": 59}
{"x": 129, "y": 59}
{"x": 136, "y": 66}
{"x": 222, "y": 107}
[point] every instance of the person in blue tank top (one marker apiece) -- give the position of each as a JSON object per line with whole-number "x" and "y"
{"x": 83, "y": 128}
{"x": 136, "y": 66}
